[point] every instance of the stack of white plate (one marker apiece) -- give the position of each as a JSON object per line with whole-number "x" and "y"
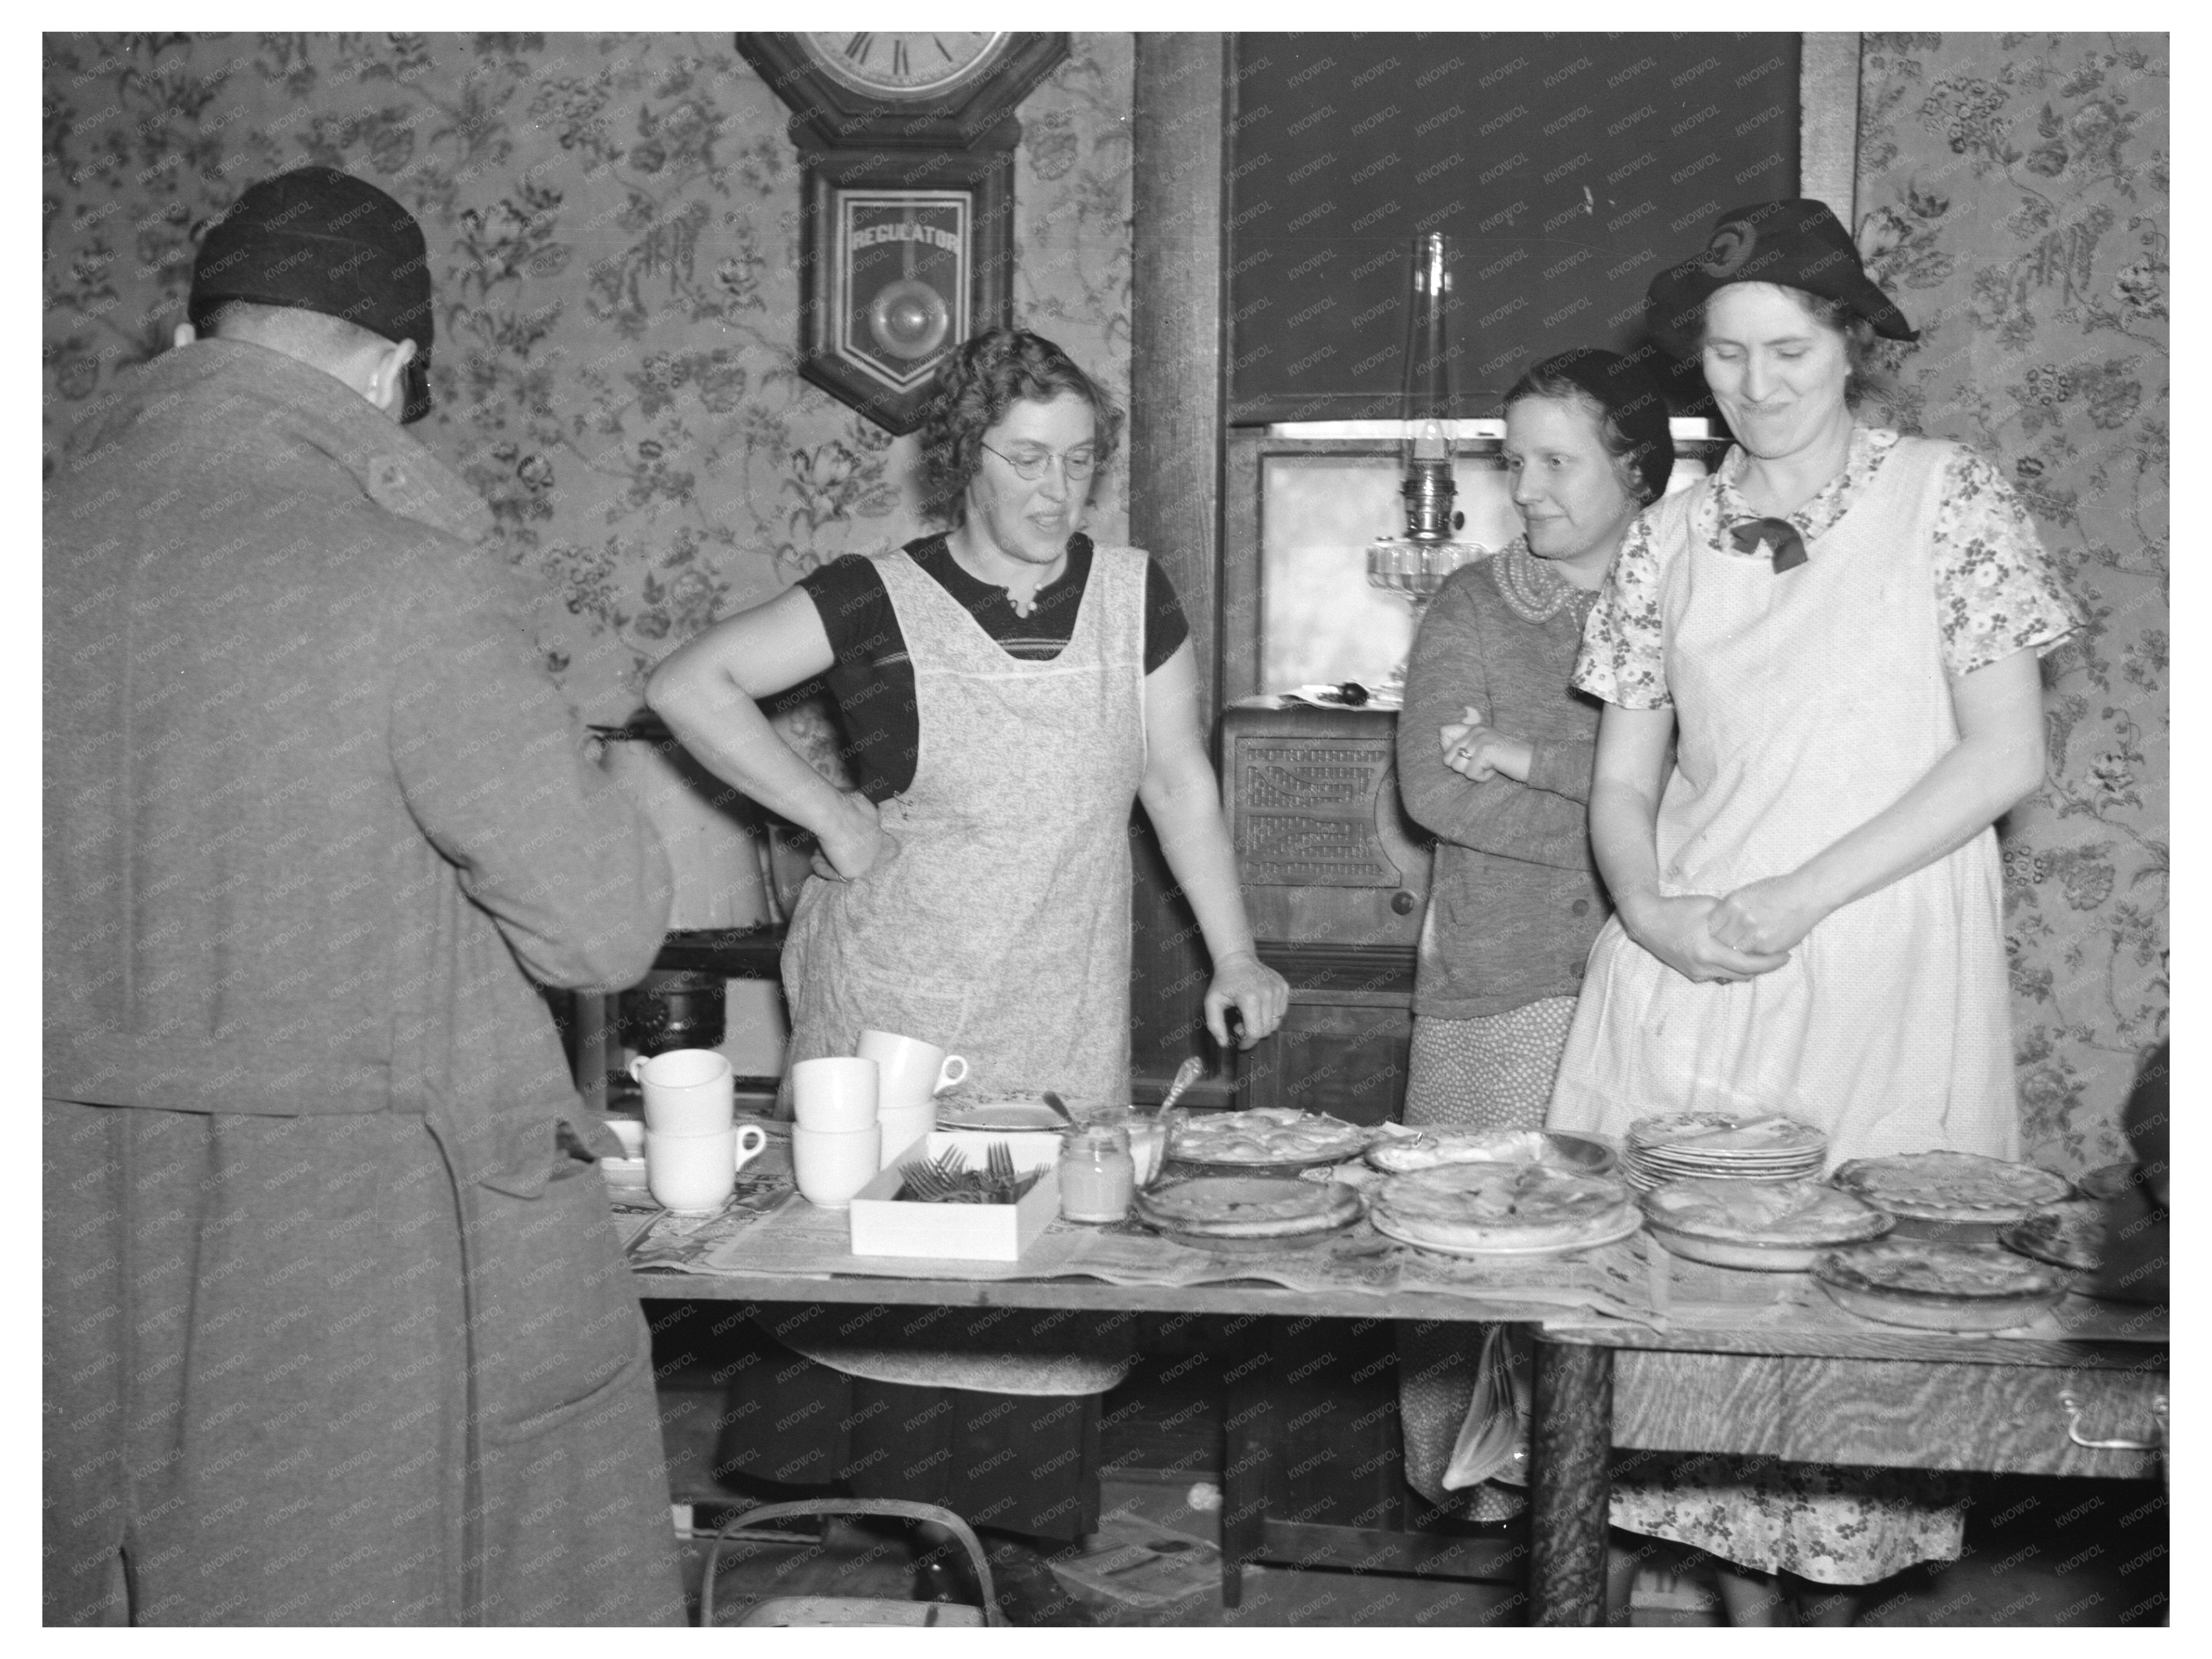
{"x": 1721, "y": 1146}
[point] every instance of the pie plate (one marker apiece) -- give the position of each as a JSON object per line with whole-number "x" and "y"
{"x": 1778, "y": 1257}
{"x": 1866, "y": 1177}
{"x": 2034, "y": 1288}
{"x": 1347, "y": 1147}
{"x": 1627, "y": 1229}
{"x": 1001, "y": 1117}
{"x": 2107, "y": 1250}
{"x": 1251, "y": 1207}
{"x": 1767, "y": 1135}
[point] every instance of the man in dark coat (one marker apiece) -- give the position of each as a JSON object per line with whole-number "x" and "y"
{"x": 337, "y": 1325}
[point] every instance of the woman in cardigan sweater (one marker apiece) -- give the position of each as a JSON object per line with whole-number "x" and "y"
{"x": 1494, "y": 757}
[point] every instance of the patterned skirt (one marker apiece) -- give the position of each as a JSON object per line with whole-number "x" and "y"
{"x": 1831, "y": 1523}
{"x": 1489, "y": 1074}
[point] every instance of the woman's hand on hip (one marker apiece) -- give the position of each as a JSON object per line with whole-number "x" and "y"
{"x": 1259, "y": 994}
{"x": 855, "y": 842}
{"x": 1678, "y": 932}
{"x": 1767, "y": 916}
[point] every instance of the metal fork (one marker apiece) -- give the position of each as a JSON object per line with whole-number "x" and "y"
{"x": 1000, "y": 1161}
{"x": 938, "y": 1180}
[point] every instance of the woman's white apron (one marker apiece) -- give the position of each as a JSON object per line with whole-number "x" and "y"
{"x": 1806, "y": 703}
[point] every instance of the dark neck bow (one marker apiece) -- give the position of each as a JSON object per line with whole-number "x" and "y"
{"x": 1776, "y": 536}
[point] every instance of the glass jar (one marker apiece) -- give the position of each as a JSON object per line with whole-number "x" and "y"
{"x": 1097, "y": 1176}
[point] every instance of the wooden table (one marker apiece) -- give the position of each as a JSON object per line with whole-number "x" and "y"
{"x": 1890, "y": 1398}
{"x": 1873, "y": 1396}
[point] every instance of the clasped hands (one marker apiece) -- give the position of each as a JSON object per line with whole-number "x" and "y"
{"x": 1478, "y": 752}
{"x": 1745, "y": 933}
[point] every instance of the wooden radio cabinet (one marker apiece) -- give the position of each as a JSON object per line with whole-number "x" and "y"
{"x": 1336, "y": 881}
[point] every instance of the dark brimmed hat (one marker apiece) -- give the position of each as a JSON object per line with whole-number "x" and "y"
{"x": 1796, "y": 244}
{"x": 319, "y": 240}
{"x": 1625, "y": 390}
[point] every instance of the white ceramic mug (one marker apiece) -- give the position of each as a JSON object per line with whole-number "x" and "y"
{"x": 903, "y": 1126}
{"x": 830, "y": 1166}
{"x": 835, "y": 1095}
{"x": 911, "y": 1070}
{"x": 695, "y": 1175}
{"x": 688, "y": 1091}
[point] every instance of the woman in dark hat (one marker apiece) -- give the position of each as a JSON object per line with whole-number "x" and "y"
{"x": 1494, "y": 756}
{"x": 1838, "y": 630}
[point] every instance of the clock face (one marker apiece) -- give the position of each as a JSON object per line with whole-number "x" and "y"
{"x": 912, "y": 63}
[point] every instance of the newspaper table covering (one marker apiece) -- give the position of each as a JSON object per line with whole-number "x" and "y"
{"x": 767, "y": 1230}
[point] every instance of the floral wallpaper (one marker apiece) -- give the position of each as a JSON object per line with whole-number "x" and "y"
{"x": 613, "y": 225}
{"x": 613, "y": 222}
{"x": 2014, "y": 195}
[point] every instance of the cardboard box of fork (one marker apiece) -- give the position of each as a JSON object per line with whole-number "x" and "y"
{"x": 886, "y": 1225}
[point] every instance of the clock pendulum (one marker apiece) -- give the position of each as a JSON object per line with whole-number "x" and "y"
{"x": 908, "y": 318}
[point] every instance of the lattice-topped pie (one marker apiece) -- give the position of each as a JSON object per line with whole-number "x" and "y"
{"x": 1265, "y": 1135}
{"x": 1502, "y": 1207}
{"x": 1963, "y": 1187}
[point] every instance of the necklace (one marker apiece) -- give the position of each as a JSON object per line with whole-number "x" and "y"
{"x": 1532, "y": 590}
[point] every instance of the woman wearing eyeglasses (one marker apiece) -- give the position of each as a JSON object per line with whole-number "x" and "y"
{"x": 1008, "y": 689}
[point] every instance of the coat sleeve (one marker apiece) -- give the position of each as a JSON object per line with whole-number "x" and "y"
{"x": 492, "y": 764}
{"x": 1444, "y": 677}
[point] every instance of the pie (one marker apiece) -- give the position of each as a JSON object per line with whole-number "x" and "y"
{"x": 1249, "y": 1207}
{"x": 1502, "y": 1207}
{"x": 1397, "y": 1149}
{"x": 1265, "y": 1135}
{"x": 2072, "y": 1234}
{"x": 1763, "y": 1212}
{"x": 1917, "y": 1268}
{"x": 1951, "y": 1186}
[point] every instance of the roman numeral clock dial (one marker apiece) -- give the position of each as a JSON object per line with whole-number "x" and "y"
{"x": 907, "y": 144}
{"x": 904, "y": 64}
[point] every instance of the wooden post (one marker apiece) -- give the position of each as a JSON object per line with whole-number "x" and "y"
{"x": 1175, "y": 466}
{"x": 1570, "y": 1445}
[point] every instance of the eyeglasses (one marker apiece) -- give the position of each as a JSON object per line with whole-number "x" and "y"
{"x": 1075, "y": 465}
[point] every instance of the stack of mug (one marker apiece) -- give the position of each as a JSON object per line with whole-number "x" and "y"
{"x": 856, "y": 1115}
{"x": 693, "y": 1145}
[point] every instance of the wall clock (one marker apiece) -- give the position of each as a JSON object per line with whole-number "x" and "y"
{"x": 906, "y": 143}
{"x": 920, "y": 89}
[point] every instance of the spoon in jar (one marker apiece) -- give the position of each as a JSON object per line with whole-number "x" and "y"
{"x": 1060, "y": 1106}
{"x": 1186, "y": 1074}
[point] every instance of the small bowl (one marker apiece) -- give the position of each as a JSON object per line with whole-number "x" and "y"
{"x": 623, "y": 1174}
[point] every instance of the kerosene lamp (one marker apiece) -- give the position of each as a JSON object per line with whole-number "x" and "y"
{"x": 1416, "y": 563}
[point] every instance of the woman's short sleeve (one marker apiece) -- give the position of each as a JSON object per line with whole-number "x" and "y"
{"x": 1624, "y": 655}
{"x": 1996, "y": 591}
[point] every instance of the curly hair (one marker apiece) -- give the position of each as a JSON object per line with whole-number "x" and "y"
{"x": 975, "y": 387}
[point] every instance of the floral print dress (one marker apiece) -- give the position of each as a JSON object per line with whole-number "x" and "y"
{"x": 1805, "y": 699}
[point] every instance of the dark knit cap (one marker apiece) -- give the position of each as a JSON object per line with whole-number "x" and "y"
{"x": 1796, "y": 244}
{"x": 1625, "y": 390}
{"x": 319, "y": 240}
